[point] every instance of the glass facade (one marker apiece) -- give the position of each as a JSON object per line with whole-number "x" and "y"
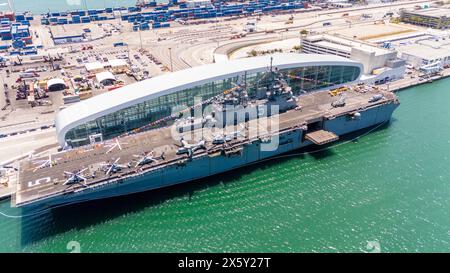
{"x": 302, "y": 79}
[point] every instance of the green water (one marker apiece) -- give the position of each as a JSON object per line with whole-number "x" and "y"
{"x": 391, "y": 186}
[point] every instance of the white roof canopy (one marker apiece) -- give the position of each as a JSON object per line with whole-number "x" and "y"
{"x": 129, "y": 95}
{"x": 103, "y": 76}
{"x": 55, "y": 81}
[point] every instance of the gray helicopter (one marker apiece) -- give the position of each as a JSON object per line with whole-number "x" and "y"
{"x": 149, "y": 158}
{"x": 114, "y": 167}
{"x": 75, "y": 177}
{"x": 340, "y": 102}
{"x": 189, "y": 149}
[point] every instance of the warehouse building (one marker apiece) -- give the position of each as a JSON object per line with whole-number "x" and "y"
{"x": 198, "y": 3}
{"x": 438, "y": 18}
{"x": 374, "y": 59}
{"x": 61, "y": 35}
{"x": 427, "y": 55}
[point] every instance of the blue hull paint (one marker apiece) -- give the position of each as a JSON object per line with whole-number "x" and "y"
{"x": 205, "y": 166}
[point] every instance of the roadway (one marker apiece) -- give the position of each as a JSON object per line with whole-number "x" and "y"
{"x": 190, "y": 48}
{"x": 19, "y": 146}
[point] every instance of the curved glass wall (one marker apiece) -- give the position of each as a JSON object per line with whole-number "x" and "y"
{"x": 302, "y": 79}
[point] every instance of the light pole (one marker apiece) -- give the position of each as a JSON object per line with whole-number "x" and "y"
{"x": 140, "y": 36}
{"x": 128, "y": 49}
{"x": 11, "y": 6}
{"x": 5, "y": 90}
{"x": 170, "y": 57}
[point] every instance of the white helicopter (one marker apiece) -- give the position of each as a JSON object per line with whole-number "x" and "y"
{"x": 114, "y": 145}
{"x": 340, "y": 102}
{"x": 189, "y": 149}
{"x": 75, "y": 177}
{"x": 114, "y": 167}
{"x": 44, "y": 163}
{"x": 149, "y": 158}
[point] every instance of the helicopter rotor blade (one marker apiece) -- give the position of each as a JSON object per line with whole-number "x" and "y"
{"x": 110, "y": 169}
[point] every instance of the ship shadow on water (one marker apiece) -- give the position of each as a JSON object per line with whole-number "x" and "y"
{"x": 79, "y": 216}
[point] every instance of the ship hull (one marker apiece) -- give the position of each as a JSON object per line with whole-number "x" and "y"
{"x": 205, "y": 166}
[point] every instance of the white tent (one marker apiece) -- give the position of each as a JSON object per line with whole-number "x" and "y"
{"x": 56, "y": 84}
{"x": 105, "y": 78}
{"x": 94, "y": 67}
{"x": 118, "y": 63}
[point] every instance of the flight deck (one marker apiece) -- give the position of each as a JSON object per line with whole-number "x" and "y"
{"x": 94, "y": 165}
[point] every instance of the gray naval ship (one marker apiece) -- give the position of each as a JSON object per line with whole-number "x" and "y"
{"x": 239, "y": 128}
{"x": 236, "y": 106}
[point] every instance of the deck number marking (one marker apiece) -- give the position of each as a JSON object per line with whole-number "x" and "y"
{"x": 38, "y": 182}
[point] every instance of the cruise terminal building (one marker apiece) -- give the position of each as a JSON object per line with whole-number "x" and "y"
{"x": 114, "y": 113}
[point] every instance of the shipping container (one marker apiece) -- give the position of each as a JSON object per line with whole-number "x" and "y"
{"x": 18, "y": 44}
{"x": 30, "y": 52}
{"x": 120, "y": 44}
{"x": 20, "y": 17}
{"x": 62, "y": 21}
